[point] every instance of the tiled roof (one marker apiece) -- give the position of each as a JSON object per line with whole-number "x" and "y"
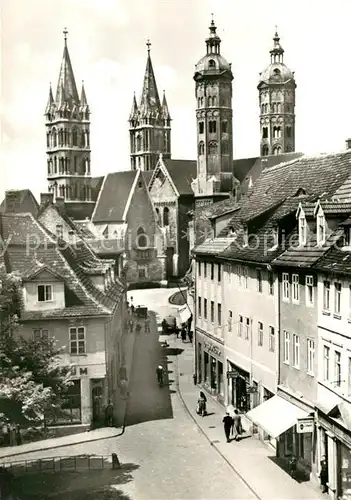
{"x": 182, "y": 173}
{"x": 305, "y": 255}
{"x": 213, "y": 246}
{"x": 96, "y": 186}
{"x": 221, "y": 208}
{"x": 31, "y": 246}
{"x": 113, "y": 196}
{"x": 335, "y": 260}
{"x": 26, "y": 202}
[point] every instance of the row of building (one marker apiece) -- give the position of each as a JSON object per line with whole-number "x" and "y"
{"x": 271, "y": 294}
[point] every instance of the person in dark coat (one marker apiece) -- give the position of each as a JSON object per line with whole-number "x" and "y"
{"x": 183, "y": 333}
{"x": 190, "y": 335}
{"x": 323, "y": 476}
{"x": 228, "y": 422}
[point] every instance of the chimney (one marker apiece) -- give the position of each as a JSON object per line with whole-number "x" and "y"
{"x": 46, "y": 199}
{"x": 348, "y": 143}
{"x": 13, "y": 201}
{"x": 60, "y": 202}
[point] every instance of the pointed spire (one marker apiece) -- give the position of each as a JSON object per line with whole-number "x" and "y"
{"x": 83, "y": 97}
{"x": 150, "y": 101}
{"x": 134, "y": 111}
{"x": 50, "y": 101}
{"x": 165, "y": 111}
{"x": 66, "y": 77}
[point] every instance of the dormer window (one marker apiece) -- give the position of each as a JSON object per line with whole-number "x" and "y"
{"x": 44, "y": 293}
{"x": 245, "y": 236}
{"x": 320, "y": 228}
{"x": 275, "y": 235}
{"x": 302, "y": 228}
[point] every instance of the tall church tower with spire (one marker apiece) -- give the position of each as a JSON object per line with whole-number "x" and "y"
{"x": 277, "y": 104}
{"x": 213, "y": 90}
{"x": 149, "y": 124}
{"x": 68, "y": 142}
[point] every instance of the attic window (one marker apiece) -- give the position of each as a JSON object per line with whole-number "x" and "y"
{"x": 300, "y": 192}
{"x": 320, "y": 228}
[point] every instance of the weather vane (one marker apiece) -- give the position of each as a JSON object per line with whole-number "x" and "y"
{"x": 65, "y": 33}
{"x": 148, "y": 44}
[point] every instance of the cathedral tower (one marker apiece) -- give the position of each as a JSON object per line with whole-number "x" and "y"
{"x": 68, "y": 142}
{"x": 149, "y": 124}
{"x": 277, "y": 105}
{"x": 213, "y": 89}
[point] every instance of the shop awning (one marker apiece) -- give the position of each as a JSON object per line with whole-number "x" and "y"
{"x": 276, "y": 415}
{"x": 327, "y": 400}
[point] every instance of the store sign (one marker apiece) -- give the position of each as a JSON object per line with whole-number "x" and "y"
{"x": 232, "y": 374}
{"x": 213, "y": 349}
{"x": 82, "y": 371}
{"x": 304, "y": 425}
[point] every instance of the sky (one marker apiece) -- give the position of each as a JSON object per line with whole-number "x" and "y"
{"x": 107, "y": 45}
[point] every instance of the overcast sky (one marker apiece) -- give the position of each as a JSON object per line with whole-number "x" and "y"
{"x": 106, "y": 42}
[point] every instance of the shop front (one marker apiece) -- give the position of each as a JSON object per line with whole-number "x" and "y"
{"x": 209, "y": 355}
{"x": 238, "y": 383}
{"x": 334, "y": 448}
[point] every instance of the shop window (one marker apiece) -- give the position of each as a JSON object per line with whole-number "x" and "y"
{"x": 44, "y": 293}
{"x": 213, "y": 364}
{"x": 220, "y": 379}
{"x": 199, "y": 363}
{"x": 309, "y": 291}
{"x": 77, "y": 340}
{"x": 206, "y": 366}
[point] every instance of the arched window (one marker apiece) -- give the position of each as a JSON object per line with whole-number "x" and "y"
{"x": 141, "y": 242}
{"x": 55, "y": 165}
{"x": 48, "y": 140}
{"x": 212, "y": 148}
{"x": 54, "y": 138}
{"x": 138, "y": 141}
{"x": 201, "y": 148}
{"x": 74, "y": 138}
{"x": 211, "y": 64}
{"x": 212, "y": 127}
{"x": 166, "y": 216}
{"x": 265, "y": 133}
{"x": 277, "y": 150}
{"x": 214, "y": 101}
{"x": 279, "y": 108}
{"x": 201, "y": 127}
{"x": 265, "y": 150}
{"x": 263, "y": 108}
{"x": 274, "y": 107}
{"x": 158, "y": 216}
{"x": 209, "y": 100}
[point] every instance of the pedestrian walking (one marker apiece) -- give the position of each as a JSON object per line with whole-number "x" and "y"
{"x": 109, "y": 414}
{"x": 183, "y": 333}
{"x": 228, "y": 422}
{"x": 323, "y": 475}
{"x": 201, "y": 404}
{"x": 237, "y": 428}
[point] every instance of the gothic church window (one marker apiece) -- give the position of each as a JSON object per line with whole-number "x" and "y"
{"x": 265, "y": 133}
{"x": 55, "y": 165}
{"x": 277, "y": 132}
{"x": 48, "y": 140}
{"x": 288, "y": 131}
{"x": 54, "y": 138}
{"x": 139, "y": 142}
{"x": 74, "y": 138}
{"x": 279, "y": 108}
{"x": 214, "y": 101}
{"x": 265, "y": 150}
{"x": 212, "y": 127}
{"x": 141, "y": 238}
{"x": 224, "y": 126}
{"x": 212, "y": 148}
{"x": 274, "y": 107}
{"x": 201, "y": 127}
{"x": 166, "y": 216}
{"x": 277, "y": 150}
{"x": 158, "y": 216}
{"x": 201, "y": 148}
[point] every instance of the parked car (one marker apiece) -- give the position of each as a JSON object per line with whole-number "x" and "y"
{"x": 169, "y": 324}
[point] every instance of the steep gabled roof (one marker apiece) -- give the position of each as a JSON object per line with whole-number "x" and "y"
{"x": 32, "y": 248}
{"x": 26, "y": 202}
{"x": 114, "y": 195}
{"x": 182, "y": 173}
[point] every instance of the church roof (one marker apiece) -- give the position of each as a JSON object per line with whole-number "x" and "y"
{"x": 182, "y": 173}
{"x": 23, "y": 201}
{"x": 113, "y": 196}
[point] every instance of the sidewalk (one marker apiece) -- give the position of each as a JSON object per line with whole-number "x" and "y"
{"x": 249, "y": 457}
{"x": 59, "y": 442}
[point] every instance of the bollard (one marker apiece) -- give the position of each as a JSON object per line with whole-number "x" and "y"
{"x": 115, "y": 461}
